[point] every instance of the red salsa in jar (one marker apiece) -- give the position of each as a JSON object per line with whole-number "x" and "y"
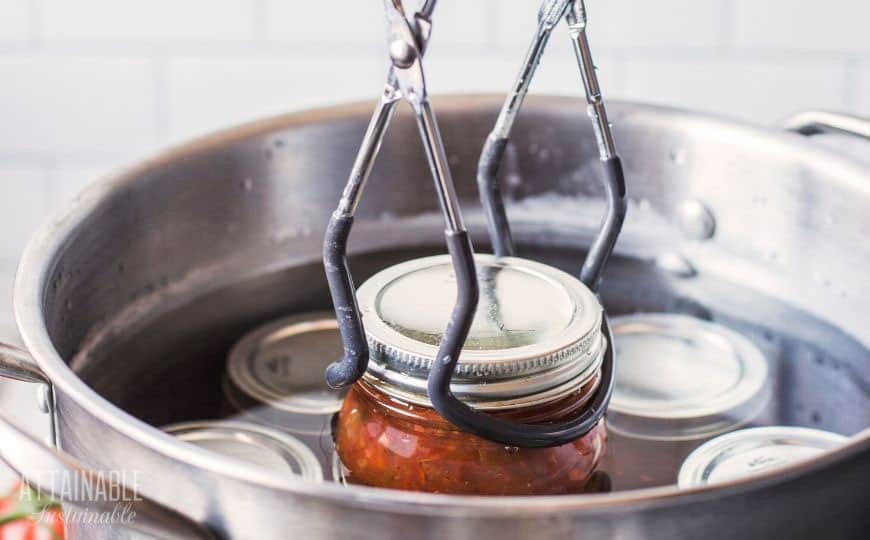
{"x": 533, "y": 355}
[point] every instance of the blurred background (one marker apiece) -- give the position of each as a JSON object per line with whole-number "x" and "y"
{"x": 86, "y": 85}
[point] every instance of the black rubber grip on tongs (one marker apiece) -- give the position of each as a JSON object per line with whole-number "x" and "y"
{"x": 353, "y": 364}
{"x": 490, "y": 193}
{"x": 611, "y": 226}
{"x": 481, "y": 424}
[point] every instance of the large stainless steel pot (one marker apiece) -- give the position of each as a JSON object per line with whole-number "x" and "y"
{"x": 154, "y": 272}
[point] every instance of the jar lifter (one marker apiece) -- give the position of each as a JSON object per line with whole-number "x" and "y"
{"x": 407, "y": 41}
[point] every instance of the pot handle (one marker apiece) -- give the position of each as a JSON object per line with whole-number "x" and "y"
{"x": 63, "y": 478}
{"x": 818, "y": 122}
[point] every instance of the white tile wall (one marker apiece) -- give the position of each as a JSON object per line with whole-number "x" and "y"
{"x": 625, "y": 24}
{"x": 346, "y": 22}
{"x": 88, "y": 84}
{"x": 794, "y": 25}
{"x": 68, "y": 178}
{"x": 465, "y": 22}
{"x": 751, "y": 89}
{"x": 354, "y": 21}
{"x": 22, "y": 207}
{"x": 661, "y": 24}
{"x": 488, "y": 72}
{"x": 63, "y": 104}
{"x": 152, "y": 20}
{"x": 205, "y": 93}
{"x": 862, "y": 88}
{"x": 15, "y": 19}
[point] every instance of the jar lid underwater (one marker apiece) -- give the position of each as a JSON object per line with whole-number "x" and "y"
{"x": 752, "y": 451}
{"x": 536, "y": 335}
{"x": 253, "y": 444}
{"x": 280, "y": 366}
{"x": 681, "y": 378}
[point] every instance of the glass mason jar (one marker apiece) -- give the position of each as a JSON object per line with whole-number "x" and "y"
{"x": 680, "y": 381}
{"x": 533, "y": 355}
{"x": 274, "y": 377}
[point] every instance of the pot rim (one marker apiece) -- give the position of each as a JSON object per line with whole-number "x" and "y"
{"x": 39, "y": 260}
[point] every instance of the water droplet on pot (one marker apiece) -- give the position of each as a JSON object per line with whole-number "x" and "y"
{"x": 676, "y": 264}
{"x": 695, "y": 220}
{"x": 677, "y": 156}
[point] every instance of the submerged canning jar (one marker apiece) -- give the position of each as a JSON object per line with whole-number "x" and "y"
{"x": 533, "y": 355}
{"x": 679, "y": 381}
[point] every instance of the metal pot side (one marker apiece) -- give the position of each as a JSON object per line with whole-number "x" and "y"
{"x": 240, "y": 204}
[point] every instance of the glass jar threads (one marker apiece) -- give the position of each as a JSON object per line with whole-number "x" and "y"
{"x": 533, "y": 355}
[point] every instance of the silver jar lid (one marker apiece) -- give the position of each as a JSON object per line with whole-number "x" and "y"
{"x": 253, "y": 444}
{"x": 281, "y": 365}
{"x": 536, "y": 335}
{"x": 752, "y": 451}
{"x": 681, "y": 378}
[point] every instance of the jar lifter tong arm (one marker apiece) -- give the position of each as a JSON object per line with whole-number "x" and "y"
{"x": 550, "y": 13}
{"x": 407, "y": 41}
{"x": 406, "y": 82}
{"x": 496, "y": 429}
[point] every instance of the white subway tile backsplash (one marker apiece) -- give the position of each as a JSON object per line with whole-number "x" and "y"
{"x": 560, "y": 74}
{"x": 158, "y": 20}
{"x": 23, "y": 208}
{"x": 66, "y": 180}
{"x": 206, "y": 93}
{"x": 447, "y": 72}
{"x": 758, "y": 91}
{"x": 516, "y": 23}
{"x": 14, "y": 20}
{"x": 833, "y": 25}
{"x": 862, "y": 90}
{"x": 657, "y": 24}
{"x": 450, "y": 72}
{"x": 8, "y": 331}
{"x": 465, "y": 22}
{"x": 358, "y": 22}
{"x": 58, "y": 104}
{"x": 342, "y": 22}
{"x": 627, "y": 24}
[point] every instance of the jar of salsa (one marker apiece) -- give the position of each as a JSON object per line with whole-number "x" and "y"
{"x": 533, "y": 355}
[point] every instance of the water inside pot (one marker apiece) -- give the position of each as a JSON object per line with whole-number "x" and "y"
{"x": 167, "y": 365}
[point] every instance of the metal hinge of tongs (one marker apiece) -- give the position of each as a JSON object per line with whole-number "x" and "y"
{"x": 407, "y": 40}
